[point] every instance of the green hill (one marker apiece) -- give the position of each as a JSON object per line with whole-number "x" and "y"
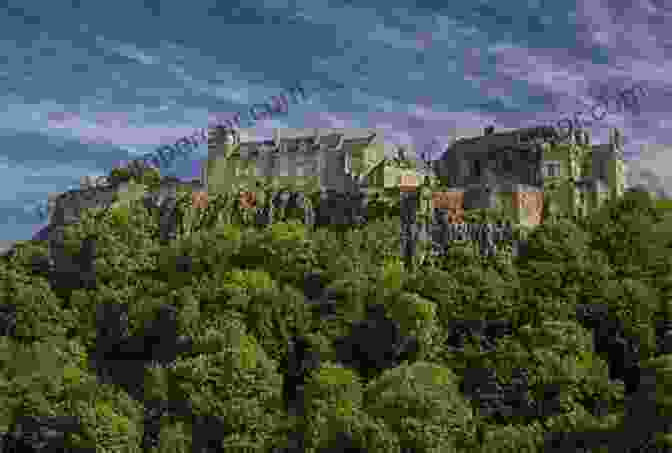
{"x": 240, "y": 298}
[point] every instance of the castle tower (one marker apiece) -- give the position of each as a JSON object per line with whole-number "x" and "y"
{"x": 222, "y": 141}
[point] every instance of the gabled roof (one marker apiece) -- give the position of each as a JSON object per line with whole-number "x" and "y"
{"x": 295, "y": 140}
{"x": 521, "y": 139}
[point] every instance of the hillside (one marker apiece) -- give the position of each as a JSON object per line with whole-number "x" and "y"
{"x": 238, "y": 339}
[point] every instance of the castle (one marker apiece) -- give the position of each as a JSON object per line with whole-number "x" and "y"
{"x": 530, "y": 174}
{"x": 312, "y": 160}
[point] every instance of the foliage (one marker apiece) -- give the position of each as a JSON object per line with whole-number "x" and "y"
{"x": 418, "y": 317}
{"x": 485, "y": 216}
{"x": 136, "y": 171}
{"x": 120, "y": 174}
{"x": 421, "y": 404}
{"x": 239, "y": 296}
{"x": 238, "y": 383}
{"x": 50, "y": 379}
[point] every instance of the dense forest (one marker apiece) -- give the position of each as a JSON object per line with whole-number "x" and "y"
{"x": 281, "y": 338}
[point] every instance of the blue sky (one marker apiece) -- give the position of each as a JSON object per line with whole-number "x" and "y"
{"x": 90, "y": 84}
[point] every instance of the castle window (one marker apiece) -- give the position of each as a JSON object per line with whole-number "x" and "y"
{"x": 347, "y": 162}
{"x": 507, "y": 164}
{"x": 477, "y": 168}
{"x": 551, "y": 169}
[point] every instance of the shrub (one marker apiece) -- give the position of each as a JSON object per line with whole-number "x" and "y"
{"x": 422, "y": 405}
{"x": 418, "y": 317}
{"x": 238, "y": 384}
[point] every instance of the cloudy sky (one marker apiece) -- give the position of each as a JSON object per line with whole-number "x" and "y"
{"x": 86, "y": 85}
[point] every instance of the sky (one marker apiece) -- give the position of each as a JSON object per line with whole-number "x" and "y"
{"x": 87, "y": 85}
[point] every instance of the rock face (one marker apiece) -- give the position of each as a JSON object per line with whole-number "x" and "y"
{"x": 68, "y": 206}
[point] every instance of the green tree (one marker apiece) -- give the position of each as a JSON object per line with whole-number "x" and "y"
{"x": 334, "y": 397}
{"x": 560, "y": 270}
{"x": 51, "y": 379}
{"x": 235, "y": 381}
{"x": 421, "y": 403}
{"x": 652, "y": 403}
{"x": 624, "y": 229}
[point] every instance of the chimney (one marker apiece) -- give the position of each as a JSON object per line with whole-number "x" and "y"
{"x": 489, "y": 130}
{"x": 52, "y": 198}
{"x": 85, "y": 182}
{"x": 341, "y": 141}
{"x": 611, "y": 137}
{"x": 618, "y": 139}
{"x": 204, "y": 173}
{"x": 316, "y": 138}
{"x": 578, "y": 137}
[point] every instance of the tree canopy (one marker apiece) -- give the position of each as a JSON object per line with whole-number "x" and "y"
{"x": 510, "y": 352}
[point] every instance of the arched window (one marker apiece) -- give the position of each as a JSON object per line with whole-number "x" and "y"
{"x": 507, "y": 161}
{"x": 477, "y": 168}
{"x": 552, "y": 168}
{"x": 347, "y": 162}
